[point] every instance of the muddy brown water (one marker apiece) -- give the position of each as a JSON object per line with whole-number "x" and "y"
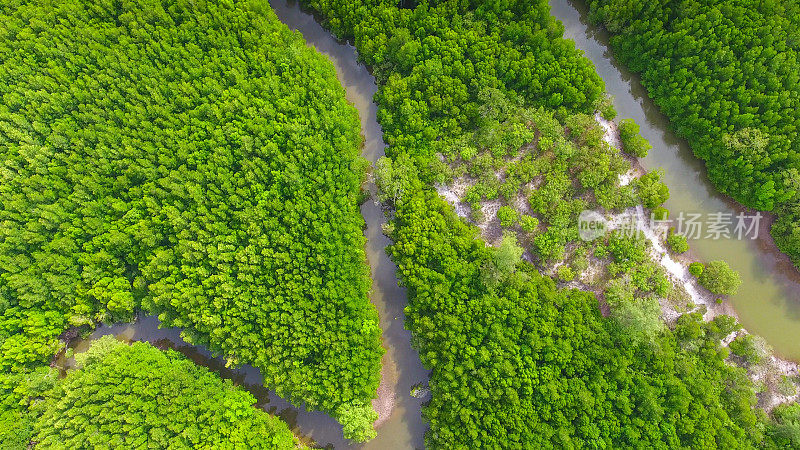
{"x": 402, "y": 369}
{"x": 768, "y": 302}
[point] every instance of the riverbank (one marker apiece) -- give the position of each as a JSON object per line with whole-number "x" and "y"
{"x": 769, "y": 373}
{"x": 386, "y": 399}
{"x": 768, "y": 302}
{"x": 686, "y": 295}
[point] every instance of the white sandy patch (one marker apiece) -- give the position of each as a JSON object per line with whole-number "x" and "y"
{"x": 669, "y": 314}
{"x": 626, "y": 178}
{"x": 592, "y": 273}
{"x": 729, "y": 338}
{"x": 490, "y": 208}
{"x": 770, "y": 373}
{"x": 788, "y": 368}
{"x": 521, "y": 204}
{"x": 453, "y": 195}
{"x": 611, "y": 134}
{"x": 551, "y": 271}
{"x": 490, "y": 225}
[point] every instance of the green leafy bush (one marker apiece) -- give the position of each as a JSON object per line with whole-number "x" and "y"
{"x": 509, "y": 217}
{"x": 357, "y": 422}
{"x": 785, "y": 431}
{"x": 392, "y": 179}
{"x": 660, "y": 213}
{"x": 752, "y": 349}
{"x": 507, "y": 255}
{"x": 696, "y": 268}
{"x": 641, "y": 318}
{"x": 719, "y": 278}
{"x": 677, "y": 242}
{"x": 580, "y": 263}
{"x": 605, "y": 106}
{"x": 632, "y": 142}
{"x": 565, "y": 273}
{"x": 786, "y": 386}
{"x": 468, "y": 152}
{"x": 529, "y": 224}
{"x": 650, "y": 189}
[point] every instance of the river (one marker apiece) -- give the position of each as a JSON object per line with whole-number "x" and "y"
{"x": 768, "y": 302}
{"x": 405, "y": 428}
{"x": 402, "y": 369}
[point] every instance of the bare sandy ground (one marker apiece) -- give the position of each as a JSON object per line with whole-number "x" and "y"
{"x": 387, "y": 396}
{"x": 766, "y": 375}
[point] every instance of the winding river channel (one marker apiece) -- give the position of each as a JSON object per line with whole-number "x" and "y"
{"x": 400, "y": 425}
{"x": 768, "y": 303}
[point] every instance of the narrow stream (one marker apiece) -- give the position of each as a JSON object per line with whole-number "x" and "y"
{"x": 768, "y": 303}
{"x": 402, "y": 369}
{"x": 405, "y": 428}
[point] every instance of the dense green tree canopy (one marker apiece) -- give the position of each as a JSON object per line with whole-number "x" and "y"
{"x": 719, "y": 278}
{"x": 195, "y": 159}
{"x": 517, "y": 363}
{"x": 432, "y": 62}
{"x": 136, "y": 396}
{"x": 785, "y": 432}
{"x": 727, "y": 73}
{"x": 200, "y": 162}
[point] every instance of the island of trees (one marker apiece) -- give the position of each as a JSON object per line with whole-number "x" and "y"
{"x": 136, "y": 396}
{"x": 191, "y": 159}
